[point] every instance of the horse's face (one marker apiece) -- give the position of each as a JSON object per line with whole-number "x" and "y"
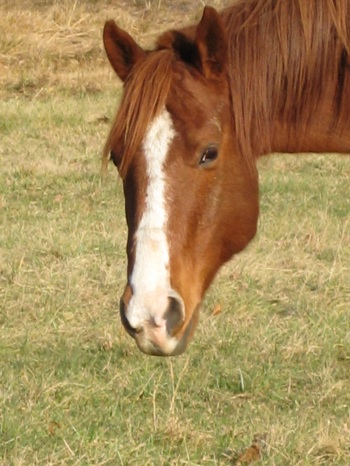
{"x": 191, "y": 202}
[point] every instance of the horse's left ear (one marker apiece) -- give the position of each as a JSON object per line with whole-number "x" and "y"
{"x": 211, "y": 41}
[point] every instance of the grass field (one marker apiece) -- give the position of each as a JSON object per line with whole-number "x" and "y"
{"x": 266, "y": 381}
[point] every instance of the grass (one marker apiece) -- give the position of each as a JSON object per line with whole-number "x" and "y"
{"x": 272, "y": 368}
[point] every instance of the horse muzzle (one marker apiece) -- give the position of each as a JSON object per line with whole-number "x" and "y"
{"x": 159, "y": 330}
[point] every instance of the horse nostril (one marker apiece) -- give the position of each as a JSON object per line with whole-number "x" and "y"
{"x": 171, "y": 321}
{"x": 131, "y": 330}
{"x": 175, "y": 314}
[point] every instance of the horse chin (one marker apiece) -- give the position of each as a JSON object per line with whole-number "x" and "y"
{"x": 174, "y": 345}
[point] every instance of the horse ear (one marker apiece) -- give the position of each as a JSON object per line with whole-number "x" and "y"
{"x": 211, "y": 41}
{"x": 122, "y": 51}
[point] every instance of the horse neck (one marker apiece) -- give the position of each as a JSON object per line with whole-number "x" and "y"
{"x": 288, "y": 97}
{"x": 322, "y": 131}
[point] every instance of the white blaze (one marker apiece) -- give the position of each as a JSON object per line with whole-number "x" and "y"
{"x": 150, "y": 279}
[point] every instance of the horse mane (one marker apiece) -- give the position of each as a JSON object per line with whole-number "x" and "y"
{"x": 281, "y": 55}
{"x": 143, "y": 99}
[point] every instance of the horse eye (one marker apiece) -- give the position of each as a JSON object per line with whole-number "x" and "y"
{"x": 209, "y": 155}
{"x": 115, "y": 159}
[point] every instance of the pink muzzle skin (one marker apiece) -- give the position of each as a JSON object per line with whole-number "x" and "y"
{"x": 164, "y": 338}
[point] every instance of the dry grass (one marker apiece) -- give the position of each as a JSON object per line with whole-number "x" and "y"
{"x": 273, "y": 365}
{"x": 46, "y": 46}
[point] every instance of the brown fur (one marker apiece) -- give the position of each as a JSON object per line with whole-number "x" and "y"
{"x": 263, "y": 76}
{"x": 144, "y": 97}
{"x": 282, "y": 55}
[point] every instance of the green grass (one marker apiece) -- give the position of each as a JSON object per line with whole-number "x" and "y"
{"x": 74, "y": 388}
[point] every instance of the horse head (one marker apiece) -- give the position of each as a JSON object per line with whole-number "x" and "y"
{"x": 191, "y": 200}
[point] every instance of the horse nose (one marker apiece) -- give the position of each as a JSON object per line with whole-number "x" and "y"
{"x": 122, "y": 309}
{"x": 154, "y": 329}
{"x": 134, "y": 318}
{"x": 175, "y": 314}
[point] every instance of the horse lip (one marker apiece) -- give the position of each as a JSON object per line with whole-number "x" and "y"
{"x": 180, "y": 345}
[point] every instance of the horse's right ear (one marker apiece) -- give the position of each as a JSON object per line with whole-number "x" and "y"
{"x": 122, "y": 51}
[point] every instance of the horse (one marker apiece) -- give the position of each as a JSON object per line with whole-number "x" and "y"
{"x": 197, "y": 111}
